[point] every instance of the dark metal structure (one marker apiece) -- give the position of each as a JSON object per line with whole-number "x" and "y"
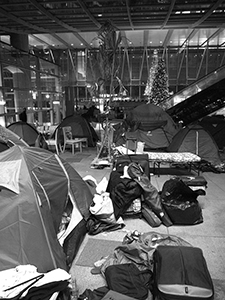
{"x": 73, "y": 24}
{"x": 190, "y": 35}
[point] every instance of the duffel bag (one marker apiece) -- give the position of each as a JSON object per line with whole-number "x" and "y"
{"x": 181, "y": 273}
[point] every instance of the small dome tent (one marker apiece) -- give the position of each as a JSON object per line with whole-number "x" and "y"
{"x": 80, "y": 128}
{"x": 26, "y": 131}
{"x": 215, "y": 125}
{"x": 150, "y": 124}
{"x": 3, "y": 146}
{"x": 8, "y": 139}
{"x": 195, "y": 139}
{"x": 37, "y": 187}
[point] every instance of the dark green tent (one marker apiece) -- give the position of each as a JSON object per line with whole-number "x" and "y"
{"x": 215, "y": 125}
{"x": 195, "y": 139}
{"x": 26, "y": 131}
{"x": 150, "y": 124}
{"x": 80, "y": 128}
{"x": 36, "y": 189}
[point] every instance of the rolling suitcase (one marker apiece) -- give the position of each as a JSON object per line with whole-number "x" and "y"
{"x": 181, "y": 273}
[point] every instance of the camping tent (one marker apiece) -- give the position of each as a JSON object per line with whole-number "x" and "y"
{"x": 26, "y": 131}
{"x": 9, "y": 139}
{"x": 215, "y": 125}
{"x": 36, "y": 188}
{"x": 150, "y": 124}
{"x": 195, "y": 139}
{"x": 80, "y": 128}
{"x": 3, "y": 146}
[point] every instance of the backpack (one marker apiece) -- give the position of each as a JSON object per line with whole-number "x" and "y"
{"x": 180, "y": 203}
{"x": 175, "y": 189}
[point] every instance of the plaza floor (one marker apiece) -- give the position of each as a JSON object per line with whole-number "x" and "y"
{"x": 209, "y": 235}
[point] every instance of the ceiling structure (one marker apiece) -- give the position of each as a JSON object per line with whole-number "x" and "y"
{"x": 62, "y": 24}
{"x": 75, "y": 24}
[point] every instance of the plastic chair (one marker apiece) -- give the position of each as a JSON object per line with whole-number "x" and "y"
{"x": 69, "y": 140}
{"x": 54, "y": 142}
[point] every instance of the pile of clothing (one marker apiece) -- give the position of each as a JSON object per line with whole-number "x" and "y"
{"x": 129, "y": 189}
{"x": 131, "y": 270}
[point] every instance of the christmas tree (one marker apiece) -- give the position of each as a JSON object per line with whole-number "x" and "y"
{"x": 151, "y": 76}
{"x": 157, "y": 88}
{"x": 160, "y": 91}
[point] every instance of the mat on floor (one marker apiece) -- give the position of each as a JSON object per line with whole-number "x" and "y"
{"x": 94, "y": 250}
{"x": 77, "y": 157}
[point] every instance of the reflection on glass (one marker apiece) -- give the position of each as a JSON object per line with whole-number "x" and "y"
{"x": 199, "y": 85}
{"x": 25, "y": 82}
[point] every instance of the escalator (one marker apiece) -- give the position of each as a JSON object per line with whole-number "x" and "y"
{"x": 200, "y": 99}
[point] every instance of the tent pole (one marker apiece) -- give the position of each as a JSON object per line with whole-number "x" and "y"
{"x": 197, "y": 137}
{"x": 45, "y": 233}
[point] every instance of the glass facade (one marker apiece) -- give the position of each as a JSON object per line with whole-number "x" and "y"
{"x": 184, "y": 68}
{"x": 51, "y": 85}
{"x": 27, "y": 81}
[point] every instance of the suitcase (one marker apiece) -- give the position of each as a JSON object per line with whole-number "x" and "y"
{"x": 195, "y": 183}
{"x": 181, "y": 273}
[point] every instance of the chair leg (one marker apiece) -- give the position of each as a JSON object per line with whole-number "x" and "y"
{"x": 80, "y": 146}
{"x": 73, "y": 145}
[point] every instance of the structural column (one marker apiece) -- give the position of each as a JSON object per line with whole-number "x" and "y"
{"x": 22, "y": 76}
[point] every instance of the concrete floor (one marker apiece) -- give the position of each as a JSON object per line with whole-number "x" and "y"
{"x": 209, "y": 235}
